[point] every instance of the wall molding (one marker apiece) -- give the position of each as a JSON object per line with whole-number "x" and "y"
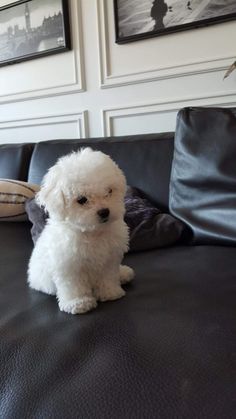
{"x": 80, "y": 118}
{"x": 109, "y": 115}
{"x": 77, "y": 85}
{"x": 108, "y": 80}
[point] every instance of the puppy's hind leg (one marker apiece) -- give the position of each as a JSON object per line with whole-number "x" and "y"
{"x": 126, "y": 274}
{"x": 39, "y": 278}
{"x": 37, "y": 284}
{"x": 109, "y": 286}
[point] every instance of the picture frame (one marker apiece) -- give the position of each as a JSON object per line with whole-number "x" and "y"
{"x": 134, "y": 20}
{"x": 33, "y": 28}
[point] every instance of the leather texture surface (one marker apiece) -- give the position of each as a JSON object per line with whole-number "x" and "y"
{"x": 203, "y": 180}
{"x": 166, "y": 350}
{"x": 145, "y": 159}
{"x": 14, "y": 161}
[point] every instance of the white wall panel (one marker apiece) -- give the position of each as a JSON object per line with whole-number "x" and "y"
{"x": 45, "y": 128}
{"x": 180, "y": 54}
{"x": 101, "y": 88}
{"x": 149, "y": 122}
{"x": 47, "y": 76}
{"x": 156, "y": 117}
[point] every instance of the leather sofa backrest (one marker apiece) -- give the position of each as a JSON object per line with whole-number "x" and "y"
{"x": 145, "y": 159}
{"x": 15, "y": 160}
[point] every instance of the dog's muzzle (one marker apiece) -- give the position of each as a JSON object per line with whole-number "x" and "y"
{"x": 103, "y": 214}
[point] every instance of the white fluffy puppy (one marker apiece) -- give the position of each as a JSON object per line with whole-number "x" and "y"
{"x": 77, "y": 257}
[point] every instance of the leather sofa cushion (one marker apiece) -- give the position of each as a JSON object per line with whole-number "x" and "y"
{"x": 203, "y": 179}
{"x": 14, "y": 161}
{"x": 145, "y": 160}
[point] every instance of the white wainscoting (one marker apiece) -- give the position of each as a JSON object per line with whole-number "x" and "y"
{"x": 47, "y": 76}
{"x": 100, "y": 88}
{"x": 125, "y": 64}
{"x": 155, "y": 117}
{"x": 32, "y": 129}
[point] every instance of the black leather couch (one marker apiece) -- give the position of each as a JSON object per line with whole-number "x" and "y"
{"x": 167, "y": 350}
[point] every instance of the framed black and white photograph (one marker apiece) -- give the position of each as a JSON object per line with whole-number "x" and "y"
{"x": 140, "y": 19}
{"x": 33, "y": 28}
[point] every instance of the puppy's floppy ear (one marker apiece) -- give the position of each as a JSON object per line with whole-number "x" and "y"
{"x": 51, "y": 195}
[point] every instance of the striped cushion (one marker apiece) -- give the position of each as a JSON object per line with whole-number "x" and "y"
{"x": 13, "y": 194}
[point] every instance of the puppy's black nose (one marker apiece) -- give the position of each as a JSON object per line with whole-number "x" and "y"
{"x": 104, "y": 213}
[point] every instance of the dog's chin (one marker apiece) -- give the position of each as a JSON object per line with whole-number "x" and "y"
{"x": 98, "y": 226}
{"x": 87, "y": 229}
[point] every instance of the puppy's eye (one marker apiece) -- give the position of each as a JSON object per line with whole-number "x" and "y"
{"x": 82, "y": 200}
{"x": 109, "y": 193}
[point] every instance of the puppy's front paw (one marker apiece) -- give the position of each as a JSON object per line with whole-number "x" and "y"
{"x": 78, "y": 305}
{"x": 126, "y": 274}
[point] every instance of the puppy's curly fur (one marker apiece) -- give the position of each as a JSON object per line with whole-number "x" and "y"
{"x": 78, "y": 255}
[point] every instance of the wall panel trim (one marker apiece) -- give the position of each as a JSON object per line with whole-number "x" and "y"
{"x": 80, "y": 118}
{"x": 77, "y": 85}
{"x": 109, "y": 80}
{"x": 108, "y": 115}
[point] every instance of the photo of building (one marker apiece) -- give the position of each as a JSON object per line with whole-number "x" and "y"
{"x": 31, "y": 28}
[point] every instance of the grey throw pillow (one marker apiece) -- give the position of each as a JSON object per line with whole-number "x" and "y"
{"x": 149, "y": 227}
{"x": 38, "y": 216}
